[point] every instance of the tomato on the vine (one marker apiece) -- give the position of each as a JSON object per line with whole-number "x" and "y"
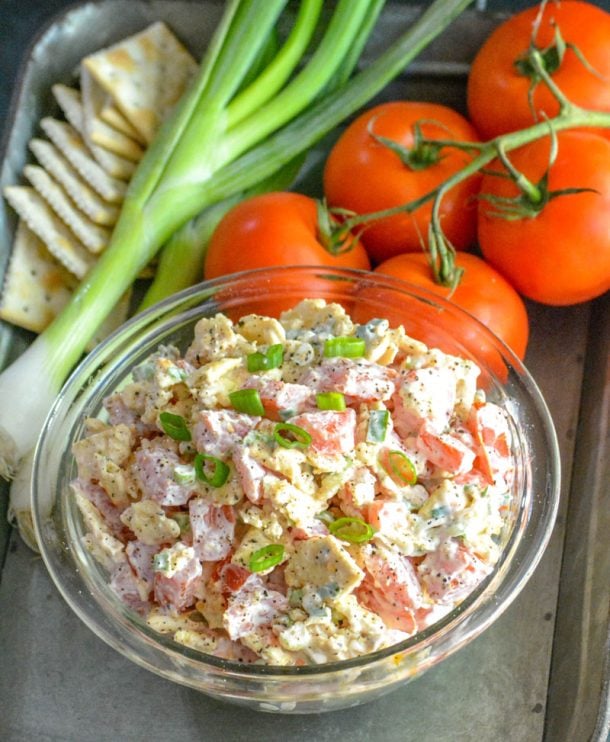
{"x": 279, "y": 228}
{"x": 482, "y": 292}
{"x": 275, "y": 229}
{"x": 364, "y": 173}
{"x": 501, "y": 90}
{"x": 559, "y": 254}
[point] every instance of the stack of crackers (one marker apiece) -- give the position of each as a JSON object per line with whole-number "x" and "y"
{"x": 84, "y": 163}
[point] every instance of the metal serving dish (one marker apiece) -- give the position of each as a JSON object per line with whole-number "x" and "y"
{"x": 541, "y": 672}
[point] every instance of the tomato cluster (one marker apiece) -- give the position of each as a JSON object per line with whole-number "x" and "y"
{"x": 549, "y": 243}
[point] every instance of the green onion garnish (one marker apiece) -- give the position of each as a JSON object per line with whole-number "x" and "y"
{"x": 220, "y": 470}
{"x": 326, "y": 517}
{"x": 273, "y": 358}
{"x": 378, "y": 425}
{"x": 346, "y": 347}
{"x": 161, "y": 561}
{"x": 176, "y": 373}
{"x": 300, "y": 438}
{"x": 401, "y": 467}
{"x": 354, "y": 530}
{"x": 330, "y": 401}
{"x": 184, "y": 474}
{"x": 266, "y": 557}
{"x": 174, "y": 426}
{"x": 248, "y": 401}
{"x": 182, "y": 519}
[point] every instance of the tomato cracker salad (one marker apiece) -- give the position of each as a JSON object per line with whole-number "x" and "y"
{"x": 296, "y": 491}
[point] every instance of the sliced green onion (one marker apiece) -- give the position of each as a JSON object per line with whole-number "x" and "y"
{"x": 184, "y": 474}
{"x": 220, "y": 470}
{"x": 248, "y": 401}
{"x": 378, "y": 426}
{"x": 401, "y": 467}
{"x": 266, "y": 557}
{"x": 273, "y": 358}
{"x": 183, "y": 520}
{"x": 175, "y": 426}
{"x": 161, "y": 561}
{"x": 331, "y": 401}
{"x": 176, "y": 373}
{"x": 300, "y": 438}
{"x": 354, "y": 530}
{"x": 345, "y": 347}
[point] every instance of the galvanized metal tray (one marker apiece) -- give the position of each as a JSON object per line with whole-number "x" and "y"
{"x": 541, "y": 672}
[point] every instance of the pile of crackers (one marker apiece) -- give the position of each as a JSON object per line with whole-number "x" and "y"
{"x": 84, "y": 162}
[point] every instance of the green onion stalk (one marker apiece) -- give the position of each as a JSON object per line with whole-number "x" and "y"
{"x": 222, "y": 139}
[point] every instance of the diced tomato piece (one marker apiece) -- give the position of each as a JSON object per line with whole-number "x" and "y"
{"x": 451, "y": 572}
{"x": 426, "y": 395}
{"x": 281, "y": 399}
{"x": 489, "y": 426}
{"x": 154, "y": 466}
{"x": 445, "y": 451}
{"x": 177, "y": 590}
{"x": 393, "y": 615}
{"x": 391, "y": 589}
{"x": 331, "y": 432}
{"x": 252, "y": 607}
{"x": 359, "y": 381}
{"x": 233, "y": 577}
{"x": 110, "y": 513}
{"x": 387, "y": 515}
{"x": 140, "y": 557}
{"x": 213, "y": 528}
{"x": 250, "y": 473}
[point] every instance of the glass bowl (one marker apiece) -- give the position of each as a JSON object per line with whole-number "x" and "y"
{"x": 316, "y": 688}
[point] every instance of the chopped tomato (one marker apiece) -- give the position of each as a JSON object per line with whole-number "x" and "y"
{"x": 331, "y": 432}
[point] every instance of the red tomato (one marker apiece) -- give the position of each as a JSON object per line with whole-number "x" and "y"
{"x": 273, "y": 229}
{"x": 482, "y": 292}
{"x": 364, "y": 175}
{"x": 498, "y": 92}
{"x": 562, "y": 254}
{"x": 276, "y": 229}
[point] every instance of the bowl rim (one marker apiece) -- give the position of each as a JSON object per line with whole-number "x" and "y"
{"x": 154, "y": 318}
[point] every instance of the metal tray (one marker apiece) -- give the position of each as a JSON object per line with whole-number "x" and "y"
{"x": 541, "y": 672}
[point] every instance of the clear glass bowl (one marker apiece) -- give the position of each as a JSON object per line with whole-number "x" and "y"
{"x": 83, "y": 582}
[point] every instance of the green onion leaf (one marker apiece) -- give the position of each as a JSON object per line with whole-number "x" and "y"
{"x": 248, "y": 401}
{"x": 183, "y": 520}
{"x": 273, "y": 358}
{"x": 184, "y": 474}
{"x": 300, "y": 438}
{"x": 378, "y": 425}
{"x": 345, "y": 347}
{"x": 176, "y": 373}
{"x": 330, "y": 401}
{"x": 174, "y": 426}
{"x": 161, "y": 561}
{"x": 266, "y": 557}
{"x": 220, "y": 470}
{"x": 354, "y": 530}
{"x": 401, "y": 468}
